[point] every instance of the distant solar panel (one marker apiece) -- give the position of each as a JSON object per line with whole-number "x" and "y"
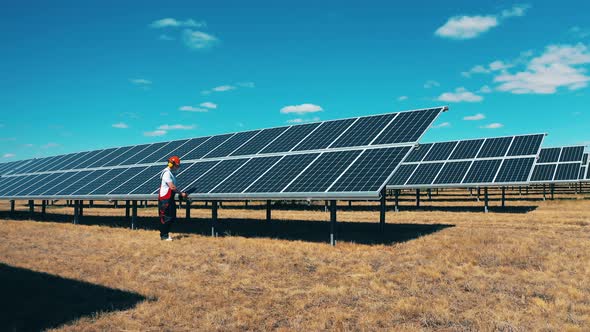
{"x": 487, "y": 162}
{"x": 558, "y": 165}
{"x": 349, "y": 158}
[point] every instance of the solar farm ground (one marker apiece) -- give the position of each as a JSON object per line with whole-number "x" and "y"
{"x": 445, "y": 266}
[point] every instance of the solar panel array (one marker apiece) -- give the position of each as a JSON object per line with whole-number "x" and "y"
{"x": 349, "y": 158}
{"x": 558, "y": 165}
{"x": 480, "y": 162}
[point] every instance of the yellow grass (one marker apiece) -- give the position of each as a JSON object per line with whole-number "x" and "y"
{"x": 439, "y": 269}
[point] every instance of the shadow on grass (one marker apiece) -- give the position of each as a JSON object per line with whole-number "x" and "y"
{"x": 35, "y": 301}
{"x": 293, "y": 230}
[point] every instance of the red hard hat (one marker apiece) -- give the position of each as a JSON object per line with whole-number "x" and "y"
{"x": 174, "y": 160}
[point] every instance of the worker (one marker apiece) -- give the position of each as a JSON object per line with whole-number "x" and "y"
{"x": 166, "y": 201}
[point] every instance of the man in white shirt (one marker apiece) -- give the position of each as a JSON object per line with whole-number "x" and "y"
{"x": 166, "y": 201}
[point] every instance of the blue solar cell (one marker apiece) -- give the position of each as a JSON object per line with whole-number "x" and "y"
{"x": 9, "y": 182}
{"x": 582, "y": 175}
{"x": 323, "y": 172}
{"x": 585, "y": 159}
{"x": 15, "y": 191}
{"x": 221, "y": 171}
{"x": 572, "y": 153}
{"x": 453, "y": 172}
{"x": 66, "y": 160}
{"x": 73, "y": 164}
{"x": 101, "y": 154}
{"x": 549, "y": 155}
{"x": 41, "y": 187}
{"x": 122, "y": 157}
{"x": 408, "y": 126}
{"x": 544, "y": 172}
{"x": 402, "y": 175}
{"x": 418, "y": 153}
{"x": 42, "y": 167}
{"x": 467, "y": 149}
{"x": 290, "y": 138}
{"x": 363, "y": 131}
{"x": 483, "y": 171}
{"x": 115, "y": 179}
{"x": 154, "y": 151}
{"x": 567, "y": 172}
{"x": 32, "y": 164}
{"x": 95, "y": 180}
{"x": 526, "y": 145}
{"x": 440, "y": 151}
{"x": 370, "y": 171}
{"x": 120, "y": 153}
{"x": 204, "y": 148}
{"x": 191, "y": 173}
{"x": 425, "y": 174}
{"x": 495, "y": 147}
{"x": 183, "y": 150}
{"x": 246, "y": 175}
{"x": 67, "y": 184}
{"x": 260, "y": 141}
{"x": 231, "y": 144}
{"x": 169, "y": 150}
{"x": 282, "y": 173}
{"x": 143, "y": 174}
{"x": 323, "y": 136}
{"x": 515, "y": 170}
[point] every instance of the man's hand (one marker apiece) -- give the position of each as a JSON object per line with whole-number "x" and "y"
{"x": 183, "y": 195}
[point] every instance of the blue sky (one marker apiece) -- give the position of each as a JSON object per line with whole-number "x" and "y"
{"x": 86, "y": 75}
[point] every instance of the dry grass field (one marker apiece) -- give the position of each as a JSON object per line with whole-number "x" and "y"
{"x": 446, "y": 266}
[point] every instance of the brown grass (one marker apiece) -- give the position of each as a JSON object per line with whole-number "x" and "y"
{"x": 512, "y": 271}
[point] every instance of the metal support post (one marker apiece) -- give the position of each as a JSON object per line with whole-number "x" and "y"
{"x": 397, "y": 191}
{"x": 127, "y": 209}
{"x": 503, "y": 197}
{"x": 418, "y": 197}
{"x": 187, "y": 205}
{"x": 12, "y": 206}
{"x": 31, "y": 209}
{"x": 268, "y": 211}
{"x": 333, "y": 223}
{"x": 213, "y": 218}
{"x": 134, "y": 215}
{"x": 76, "y": 213}
{"x": 382, "y": 210}
{"x": 486, "y": 199}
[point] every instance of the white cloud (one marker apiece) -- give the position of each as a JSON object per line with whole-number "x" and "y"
{"x": 402, "y": 98}
{"x": 468, "y": 27}
{"x": 223, "y": 88}
{"x": 460, "y": 95}
{"x": 8, "y": 155}
{"x": 485, "y": 89}
{"x": 442, "y": 125}
{"x": 301, "y": 109}
{"x": 174, "y": 23}
{"x": 431, "y": 84}
{"x": 492, "y": 67}
{"x": 579, "y": 32}
{"x": 301, "y": 120}
{"x": 558, "y": 67}
{"x": 120, "y": 125}
{"x": 479, "y": 69}
{"x": 516, "y": 11}
{"x": 193, "y": 109}
{"x": 198, "y": 40}
{"x": 167, "y": 127}
{"x": 155, "y": 133}
{"x": 208, "y": 104}
{"x": 140, "y": 81}
{"x": 476, "y": 117}
{"x": 50, "y": 145}
{"x": 493, "y": 126}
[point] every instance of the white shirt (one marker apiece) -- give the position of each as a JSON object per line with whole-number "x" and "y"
{"x": 166, "y": 177}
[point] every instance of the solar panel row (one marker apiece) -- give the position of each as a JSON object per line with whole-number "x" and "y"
{"x": 379, "y": 130}
{"x": 481, "y": 162}
{"x": 559, "y": 165}
{"x": 306, "y": 175}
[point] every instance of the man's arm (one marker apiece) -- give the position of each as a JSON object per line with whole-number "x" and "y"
{"x": 175, "y": 189}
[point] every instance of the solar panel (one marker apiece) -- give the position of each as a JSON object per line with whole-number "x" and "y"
{"x": 467, "y": 149}
{"x": 440, "y": 151}
{"x": 495, "y": 147}
{"x": 558, "y": 165}
{"x": 349, "y": 158}
{"x": 323, "y": 172}
{"x": 290, "y": 138}
{"x": 363, "y": 131}
{"x": 487, "y": 162}
{"x": 278, "y": 177}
